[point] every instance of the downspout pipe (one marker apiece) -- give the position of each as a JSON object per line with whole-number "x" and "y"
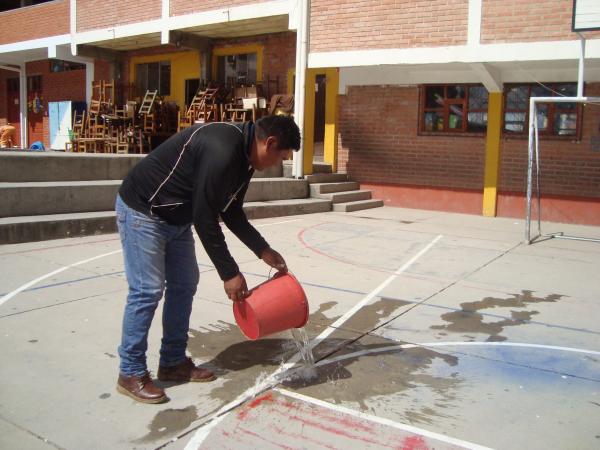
{"x": 300, "y": 84}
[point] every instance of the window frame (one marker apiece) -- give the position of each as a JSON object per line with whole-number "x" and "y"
{"x": 445, "y": 111}
{"x": 160, "y": 83}
{"x": 548, "y": 133}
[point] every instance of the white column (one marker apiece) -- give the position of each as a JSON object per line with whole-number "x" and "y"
{"x": 89, "y": 77}
{"x": 23, "y": 106}
{"x": 474, "y": 23}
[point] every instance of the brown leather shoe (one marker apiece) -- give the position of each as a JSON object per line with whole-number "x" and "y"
{"x": 185, "y": 371}
{"x": 141, "y": 389}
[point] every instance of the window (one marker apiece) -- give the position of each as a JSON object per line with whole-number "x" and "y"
{"x": 34, "y": 83}
{"x": 454, "y": 108}
{"x": 554, "y": 119}
{"x": 233, "y": 70}
{"x": 58, "y": 65}
{"x": 154, "y": 76}
{"x": 14, "y": 4}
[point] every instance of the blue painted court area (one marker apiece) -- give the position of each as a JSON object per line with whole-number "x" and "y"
{"x": 430, "y": 330}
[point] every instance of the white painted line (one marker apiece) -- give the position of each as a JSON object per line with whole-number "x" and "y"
{"x": 391, "y": 348}
{"x": 382, "y": 421}
{"x": 331, "y": 328}
{"x": 48, "y": 275}
{"x": 62, "y": 269}
{"x": 276, "y": 223}
{"x": 273, "y": 380}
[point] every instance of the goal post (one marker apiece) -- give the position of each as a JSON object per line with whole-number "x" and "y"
{"x": 533, "y": 166}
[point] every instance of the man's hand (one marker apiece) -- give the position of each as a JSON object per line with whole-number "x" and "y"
{"x": 274, "y": 259}
{"x": 236, "y": 288}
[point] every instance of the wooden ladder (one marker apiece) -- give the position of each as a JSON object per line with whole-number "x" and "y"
{"x": 148, "y": 102}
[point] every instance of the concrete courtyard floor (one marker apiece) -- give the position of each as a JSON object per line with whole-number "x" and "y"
{"x": 432, "y": 330}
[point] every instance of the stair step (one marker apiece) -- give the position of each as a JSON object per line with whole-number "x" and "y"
{"x": 321, "y": 167}
{"x": 357, "y": 206}
{"x": 266, "y": 189}
{"x": 277, "y": 208}
{"x": 57, "y": 197}
{"x": 326, "y": 178}
{"x": 15, "y": 230}
{"x": 59, "y": 166}
{"x": 345, "y": 197}
{"x": 327, "y": 188}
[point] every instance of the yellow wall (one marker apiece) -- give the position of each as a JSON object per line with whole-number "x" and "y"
{"x": 184, "y": 66}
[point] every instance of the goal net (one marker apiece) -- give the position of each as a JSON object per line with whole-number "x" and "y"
{"x": 534, "y": 167}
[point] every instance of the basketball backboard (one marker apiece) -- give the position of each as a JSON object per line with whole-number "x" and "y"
{"x": 586, "y": 15}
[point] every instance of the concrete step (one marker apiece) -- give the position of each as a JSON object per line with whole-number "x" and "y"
{"x": 277, "y": 208}
{"x": 357, "y": 206}
{"x": 14, "y": 230}
{"x": 54, "y": 197}
{"x": 58, "y": 166}
{"x": 265, "y": 189}
{"x": 321, "y": 167}
{"x": 326, "y": 188}
{"x": 344, "y": 197}
{"x": 326, "y": 178}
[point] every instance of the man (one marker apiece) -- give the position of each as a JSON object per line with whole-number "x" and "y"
{"x": 194, "y": 177}
{"x": 7, "y": 136}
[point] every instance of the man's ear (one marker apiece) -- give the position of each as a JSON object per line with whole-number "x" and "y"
{"x": 271, "y": 143}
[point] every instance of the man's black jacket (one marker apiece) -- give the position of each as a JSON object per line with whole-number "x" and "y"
{"x": 196, "y": 176}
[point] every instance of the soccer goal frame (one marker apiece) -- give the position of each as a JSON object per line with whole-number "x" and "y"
{"x": 534, "y": 164}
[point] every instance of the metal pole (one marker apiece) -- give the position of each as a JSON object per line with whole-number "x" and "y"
{"x": 537, "y": 171}
{"x": 529, "y": 172}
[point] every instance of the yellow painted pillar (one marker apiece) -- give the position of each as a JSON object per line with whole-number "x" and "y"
{"x": 492, "y": 154}
{"x": 331, "y": 99}
{"x": 309, "y": 120}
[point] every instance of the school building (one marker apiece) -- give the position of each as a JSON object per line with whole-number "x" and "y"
{"x": 426, "y": 103}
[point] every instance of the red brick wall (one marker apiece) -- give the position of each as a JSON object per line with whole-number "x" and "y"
{"x": 358, "y": 24}
{"x": 379, "y": 143}
{"x": 33, "y": 22}
{"x": 379, "y": 147}
{"x": 55, "y": 87}
{"x": 568, "y": 168}
{"x": 180, "y": 7}
{"x": 92, "y": 14}
{"x": 526, "y": 21}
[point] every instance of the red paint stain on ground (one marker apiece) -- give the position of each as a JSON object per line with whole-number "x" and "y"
{"x": 254, "y": 404}
{"x": 414, "y": 443}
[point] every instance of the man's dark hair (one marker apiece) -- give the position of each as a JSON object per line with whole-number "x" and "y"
{"x": 283, "y": 128}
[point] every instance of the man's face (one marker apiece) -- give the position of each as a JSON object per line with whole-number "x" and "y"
{"x": 267, "y": 154}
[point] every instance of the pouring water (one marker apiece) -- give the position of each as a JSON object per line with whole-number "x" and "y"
{"x": 302, "y": 341}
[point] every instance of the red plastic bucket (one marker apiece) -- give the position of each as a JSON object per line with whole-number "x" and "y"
{"x": 276, "y": 305}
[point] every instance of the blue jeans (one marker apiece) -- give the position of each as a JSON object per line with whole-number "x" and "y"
{"x": 156, "y": 255}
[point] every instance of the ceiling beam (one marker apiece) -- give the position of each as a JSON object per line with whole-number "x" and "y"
{"x": 490, "y": 77}
{"x": 188, "y": 40}
{"x": 92, "y": 51}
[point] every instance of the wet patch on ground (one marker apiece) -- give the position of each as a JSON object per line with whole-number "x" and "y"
{"x": 169, "y": 422}
{"x": 469, "y": 318}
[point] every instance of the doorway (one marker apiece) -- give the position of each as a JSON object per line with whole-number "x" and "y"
{"x": 319, "y": 123}
{"x": 13, "y": 115}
